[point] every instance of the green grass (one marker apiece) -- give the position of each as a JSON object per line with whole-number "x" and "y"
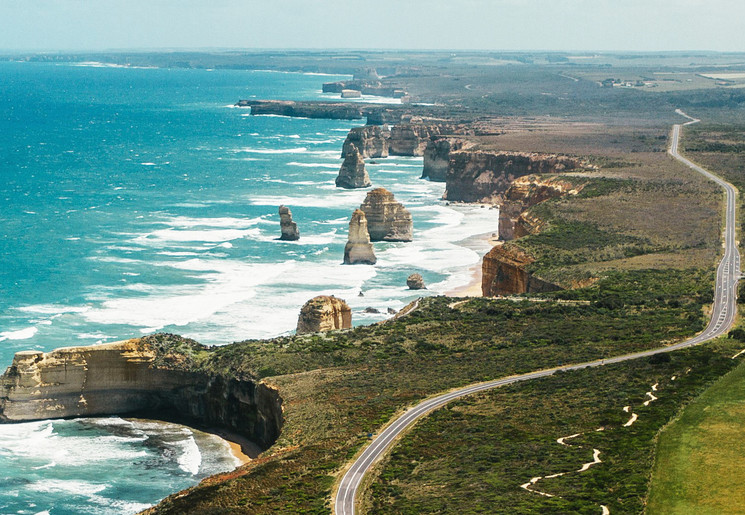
{"x": 700, "y": 462}
{"x": 473, "y": 455}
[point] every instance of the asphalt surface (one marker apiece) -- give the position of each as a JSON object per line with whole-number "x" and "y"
{"x": 723, "y": 313}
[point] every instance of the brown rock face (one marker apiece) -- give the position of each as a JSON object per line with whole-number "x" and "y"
{"x": 503, "y": 272}
{"x": 477, "y": 176}
{"x": 415, "y": 282}
{"x": 524, "y": 193}
{"x": 370, "y": 140}
{"x": 287, "y": 226}
{"x": 437, "y": 157}
{"x": 128, "y": 378}
{"x": 324, "y": 313}
{"x": 411, "y": 139}
{"x": 352, "y": 173}
{"x": 387, "y": 219}
{"x": 358, "y": 249}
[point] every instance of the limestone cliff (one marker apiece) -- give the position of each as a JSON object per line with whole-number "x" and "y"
{"x": 324, "y": 313}
{"x": 503, "y": 272}
{"x": 411, "y": 139}
{"x": 387, "y": 219}
{"x": 329, "y": 110}
{"x": 352, "y": 173}
{"x": 135, "y": 377}
{"x": 358, "y": 249}
{"x": 480, "y": 176}
{"x": 370, "y": 140}
{"x": 437, "y": 156}
{"x": 287, "y": 226}
{"x": 524, "y": 193}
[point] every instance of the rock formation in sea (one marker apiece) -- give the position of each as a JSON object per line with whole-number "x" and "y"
{"x": 152, "y": 377}
{"x": 350, "y": 93}
{"x": 287, "y": 226}
{"x": 415, "y": 282}
{"x": 411, "y": 139}
{"x": 504, "y": 272}
{"x": 328, "y": 110}
{"x": 524, "y": 193}
{"x": 481, "y": 176}
{"x": 437, "y": 156}
{"x": 352, "y": 173}
{"x": 358, "y": 249}
{"x": 387, "y": 219}
{"x": 324, "y": 313}
{"x": 370, "y": 140}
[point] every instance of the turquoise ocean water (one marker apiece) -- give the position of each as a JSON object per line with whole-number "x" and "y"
{"x": 139, "y": 200}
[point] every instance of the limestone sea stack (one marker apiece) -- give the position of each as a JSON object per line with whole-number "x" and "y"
{"x": 324, "y": 313}
{"x": 387, "y": 219}
{"x": 359, "y": 250}
{"x": 415, "y": 282}
{"x": 287, "y": 226}
{"x": 352, "y": 173}
{"x": 370, "y": 140}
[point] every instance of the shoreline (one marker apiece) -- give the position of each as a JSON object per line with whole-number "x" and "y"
{"x": 476, "y": 243}
{"x": 242, "y": 449}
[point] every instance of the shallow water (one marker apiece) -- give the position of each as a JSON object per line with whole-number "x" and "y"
{"x": 139, "y": 200}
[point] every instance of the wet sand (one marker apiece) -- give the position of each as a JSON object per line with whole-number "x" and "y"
{"x": 481, "y": 243}
{"x": 242, "y": 448}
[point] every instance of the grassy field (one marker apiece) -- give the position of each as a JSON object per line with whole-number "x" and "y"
{"x": 700, "y": 462}
{"x": 473, "y": 455}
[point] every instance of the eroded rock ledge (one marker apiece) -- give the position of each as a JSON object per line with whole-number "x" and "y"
{"x": 139, "y": 377}
{"x": 504, "y": 272}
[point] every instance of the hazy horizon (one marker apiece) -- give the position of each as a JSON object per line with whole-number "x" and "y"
{"x": 469, "y": 25}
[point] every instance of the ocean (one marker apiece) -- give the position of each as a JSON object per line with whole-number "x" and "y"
{"x": 139, "y": 200}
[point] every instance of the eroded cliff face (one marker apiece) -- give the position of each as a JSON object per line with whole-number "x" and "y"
{"x": 524, "y": 193}
{"x": 437, "y": 156}
{"x": 129, "y": 377}
{"x": 409, "y": 139}
{"x": 352, "y": 173}
{"x": 387, "y": 219}
{"x": 480, "y": 176}
{"x": 503, "y": 272}
{"x": 359, "y": 250}
{"x": 370, "y": 140}
{"x": 324, "y": 313}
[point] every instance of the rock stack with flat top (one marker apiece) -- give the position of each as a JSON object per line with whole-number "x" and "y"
{"x": 359, "y": 250}
{"x": 352, "y": 173}
{"x": 324, "y": 313}
{"x": 387, "y": 219}
{"x": 287, "y": 226}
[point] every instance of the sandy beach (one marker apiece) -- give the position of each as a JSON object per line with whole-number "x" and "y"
{"x": 480, "y": 243}
{"x": 242, "y": 448}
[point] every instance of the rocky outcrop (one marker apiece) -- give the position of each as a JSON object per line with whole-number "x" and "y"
{"x": 410, "y": 139}
{"x": 287, "y": 226}
{"x": 503, "y": 272}
{"x": 350, "y": 93}
{"x": 437, "y": 156}
{"x": 328, "y": 110}
{"x": 324, "y": 313}
{"x": 352, "y": 173}
{"x": 524, "y": 193}
{"x": 415, "y": 282}
{"x": 479, "y": 176}
{"x": 136, "y": 377}
{"x": 370, "y": 140}
{"x": 358, "y": 249}
{"x": 387, "y": 219}
{"x": 366, "y": 73}
{"x": 366, "y": 87}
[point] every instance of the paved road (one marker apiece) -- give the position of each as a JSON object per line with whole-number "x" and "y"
{"x": 723, "y": 313}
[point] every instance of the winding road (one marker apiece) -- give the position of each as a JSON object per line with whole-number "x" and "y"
{"x": 723, "y": 313}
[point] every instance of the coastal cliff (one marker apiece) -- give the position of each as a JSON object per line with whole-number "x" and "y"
{"x": 480, "y": 176}
{"x": 328, "y": 110}
{"x": 524, "y": 193}
{"x": 437, "y": 156}
{"x": 370, "y": 140}
{"x": 504, "y": 272}
{"x": 137, "y": 377}
{"x": 410, "y": 139}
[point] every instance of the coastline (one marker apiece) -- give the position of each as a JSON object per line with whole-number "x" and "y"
{"x": 242, "y": 449}
{"x": 477, "y": 243}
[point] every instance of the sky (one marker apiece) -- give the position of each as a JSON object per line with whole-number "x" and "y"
{"x": 602, "y": 25}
